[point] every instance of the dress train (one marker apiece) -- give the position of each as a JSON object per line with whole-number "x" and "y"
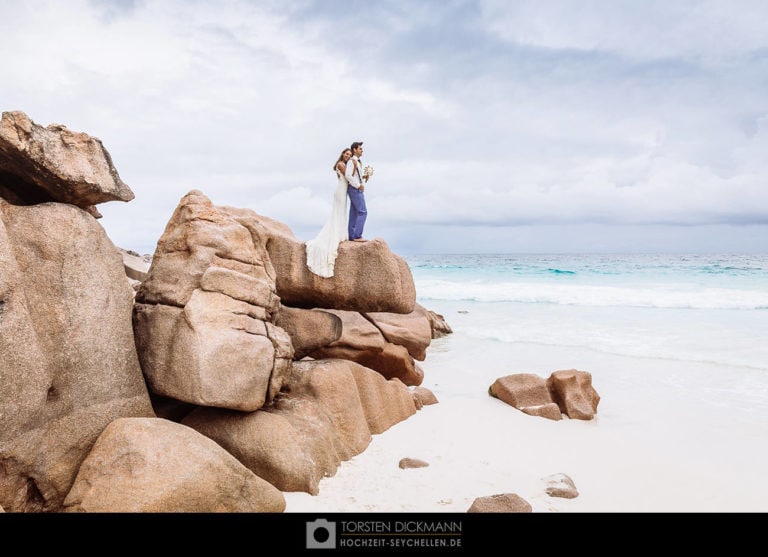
{"x": 323, "y": 249}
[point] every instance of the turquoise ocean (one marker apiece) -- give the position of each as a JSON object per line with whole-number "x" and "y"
{"x": 696, "y": 325}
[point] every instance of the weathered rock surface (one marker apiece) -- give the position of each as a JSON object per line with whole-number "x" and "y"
{"x": 40, "y": 164}
{"x": 82, "y": 429}
{"x": 500, "y": 503}
{"x": 411, "y": 330}
{"x": 136, "y": 266}
{"x": 423, "y": 397}
{"x": 309, "y": 329}
{"x": 362, "y": 342}
{"x": 68, "y": 363}
{"x": 368, "y": 276}
{"x": 327, "y": 415}
{"x": 155, "y": 465}
{"x": 204, "y": 315}
{"x": 572, "y": 391}
{"x": 567, "y": 391}
{"x": 439, "y": 326}
{"x": 527, "y": 392}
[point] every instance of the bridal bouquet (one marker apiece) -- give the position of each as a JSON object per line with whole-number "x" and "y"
{"x": 367, "y": 172}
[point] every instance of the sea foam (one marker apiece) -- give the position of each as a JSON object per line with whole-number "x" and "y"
{"x": 678, "y": 296}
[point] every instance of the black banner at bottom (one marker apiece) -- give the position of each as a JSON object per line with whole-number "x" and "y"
{"x": 426, "y": 533}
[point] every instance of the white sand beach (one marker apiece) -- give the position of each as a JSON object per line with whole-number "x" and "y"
{"x": 656, "y": 445}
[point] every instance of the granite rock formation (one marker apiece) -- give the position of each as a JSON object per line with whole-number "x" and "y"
{"x": 566, "y": 391}
{"x": 198, "y": 382}
{"x": 155, "y": 465}
{"x": 54, "y": 163}
{"x": 68, "y": 362}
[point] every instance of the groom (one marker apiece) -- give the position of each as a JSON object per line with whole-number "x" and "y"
{"x": 355, "y": 189}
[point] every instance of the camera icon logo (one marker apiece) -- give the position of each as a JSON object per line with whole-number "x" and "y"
{"x": 321, "y": 534}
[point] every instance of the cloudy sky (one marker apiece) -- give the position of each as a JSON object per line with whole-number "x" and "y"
{"x": 494, "y": 126}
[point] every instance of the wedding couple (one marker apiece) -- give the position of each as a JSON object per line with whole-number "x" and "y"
{"x": 351, "y": 180}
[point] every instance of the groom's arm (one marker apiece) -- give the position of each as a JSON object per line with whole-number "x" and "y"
{"x": 352, "y": 178}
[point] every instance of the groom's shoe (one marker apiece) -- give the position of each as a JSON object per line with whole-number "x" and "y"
{"x": 359, "y": 240}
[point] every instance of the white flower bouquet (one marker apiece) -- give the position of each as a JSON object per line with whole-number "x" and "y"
{"x": 367, "y": 173}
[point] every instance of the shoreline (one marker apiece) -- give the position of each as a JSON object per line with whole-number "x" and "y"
{"x": 649, "y": 449}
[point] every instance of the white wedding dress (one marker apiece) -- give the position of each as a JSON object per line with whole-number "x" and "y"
{"x": 322, "y": 250}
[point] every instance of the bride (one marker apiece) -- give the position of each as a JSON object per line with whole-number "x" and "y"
{"x": 322, "y": 250}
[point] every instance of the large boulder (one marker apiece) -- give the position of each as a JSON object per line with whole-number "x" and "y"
{"x": 368, "y": 276}
{"x": 362, "y": 341}
{"x": 40, "y": 164}
{"x": 68, "y": 362}
{"x": 567, "y": 391}
{"x": 527, "y": 392}
{"x": 411, "y": 330}
{"x": 573, "y": 392}
{"x": 152, "y": 465}
{"x": 204, "y": 315}
{"x": 309, "y": 329}
{"x": 327, "y": 414}
{"x": 292, "y": 454}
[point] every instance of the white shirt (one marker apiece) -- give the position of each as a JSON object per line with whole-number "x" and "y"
{"x": 353, "y": 178}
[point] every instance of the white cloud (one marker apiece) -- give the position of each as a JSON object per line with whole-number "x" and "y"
{"x": 478, "y": 115}
{"x": 708, "y": 29}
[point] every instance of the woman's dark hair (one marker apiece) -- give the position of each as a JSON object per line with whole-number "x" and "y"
{"x": 341, "y": 157}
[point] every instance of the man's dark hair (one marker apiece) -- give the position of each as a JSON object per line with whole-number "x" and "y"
{"x": 355, "y": 145}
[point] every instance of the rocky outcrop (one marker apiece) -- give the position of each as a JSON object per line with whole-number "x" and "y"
{"x": 412, "y": 330}
{"x": 207, "y": 391}
{"x": 309, "y": 329}
{"x": 362, "y": 342}
{"x": 368, "y": 276}
{"x": 40, "y": 164}
{"x": 154, "y": 465}
{"x": 204, "y": 316}
{"x": 438, "y": 324}
{"x": 326, "y": 415}
{"x": 568, "y": 392}
{"x": 68, "y": 362}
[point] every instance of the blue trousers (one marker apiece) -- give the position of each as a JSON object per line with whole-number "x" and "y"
{"x": 357, "y": 213}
